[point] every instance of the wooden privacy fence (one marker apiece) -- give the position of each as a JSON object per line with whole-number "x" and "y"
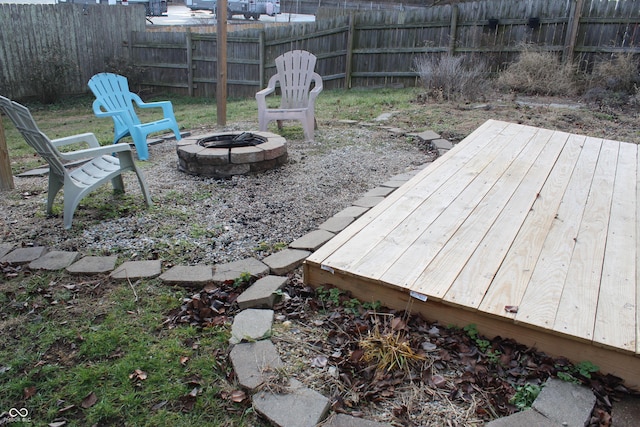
{"x": 61, "y": 44}
{"x": 379, "y": 47}
{"x": 354, "y": 48}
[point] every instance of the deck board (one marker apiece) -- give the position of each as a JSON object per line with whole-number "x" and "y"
{"x": 616, "y": 314}
{"x": 541, "y": 222}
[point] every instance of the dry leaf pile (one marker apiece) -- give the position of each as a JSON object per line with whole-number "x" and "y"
{"x": 394, "y": 366}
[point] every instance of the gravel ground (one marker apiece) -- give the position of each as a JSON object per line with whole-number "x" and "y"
{"x": 203, "y": 220}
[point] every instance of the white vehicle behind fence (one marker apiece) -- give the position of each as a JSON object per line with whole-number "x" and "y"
{"x": 247, "y": 8}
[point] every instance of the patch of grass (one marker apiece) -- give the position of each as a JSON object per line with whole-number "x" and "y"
{"x": 49, "y": 365}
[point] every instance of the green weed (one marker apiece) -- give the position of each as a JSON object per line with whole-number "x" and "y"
{"x": 525, "y": 395}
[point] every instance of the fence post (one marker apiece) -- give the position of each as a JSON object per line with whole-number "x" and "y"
{"x": 572, "y": 30}
{"x": 221, "y": 65}
{"x": 454, "y": 29}
{"x": 6, "y": 178}
{"x": 349, "y": 59}
{"x": 189, "y": 45}
{"x": 261, "y": 54}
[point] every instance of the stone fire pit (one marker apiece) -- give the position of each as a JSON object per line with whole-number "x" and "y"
{"x": 222, "y": 155}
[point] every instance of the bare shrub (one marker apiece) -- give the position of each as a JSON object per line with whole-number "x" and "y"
{"x": 124, "y": 67}
{"x": 50, "y": 73}
{"x": 613, "y": 83}
{"x": 618, "y": 75}
{"x": 452, "y": 77}
{"x": 539, "y": 73}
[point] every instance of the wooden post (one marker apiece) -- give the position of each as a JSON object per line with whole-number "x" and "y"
{"x": 572, "y": 30}
{"x": 221, "y": 80}
{"x": 189, "y": 61}
{"x": 6, "y": 178}
{"x": 349, "y": 59}
{"x": 453, "y": 30}
{"x": 261, "y": 50}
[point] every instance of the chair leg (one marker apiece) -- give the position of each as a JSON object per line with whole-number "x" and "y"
{"x": 307, "y": 125}
{"x": 118, "y": 184}
{"x": 55, "y": 185}
{"x": 144, "y": 188}
{"x": 140, "y": 141}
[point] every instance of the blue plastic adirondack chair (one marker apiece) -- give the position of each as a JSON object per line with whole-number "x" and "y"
{"x": 115, "y": 100}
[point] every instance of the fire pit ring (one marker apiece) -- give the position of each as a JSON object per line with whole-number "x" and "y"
{"x": 223, "y": 155}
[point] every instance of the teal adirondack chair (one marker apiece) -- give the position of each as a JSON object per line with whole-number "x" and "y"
{"x": 96, "y": 164}
{"x": 115, "y": 100}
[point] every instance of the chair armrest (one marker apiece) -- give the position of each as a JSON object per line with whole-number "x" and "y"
{"x": 100, "y": 110}
{"x": 317, "y": 86}
{"x": 88, "y": 138}
{"x": 95, "y": 152}
{"x": 167, "y": 107}
{"x": 262, "y": 94}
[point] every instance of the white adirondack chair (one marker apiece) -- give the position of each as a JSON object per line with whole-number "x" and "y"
{"x": 100, "y": 166}
{"x": 295, "y": 73}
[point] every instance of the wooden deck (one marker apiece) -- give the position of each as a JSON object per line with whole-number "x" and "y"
{"x": 529, "y": 233}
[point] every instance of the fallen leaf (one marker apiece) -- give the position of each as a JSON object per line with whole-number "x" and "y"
{"x": 66, "y": 408}
{"x": 319, "y": 362}
{"x": 397, "y": 324}
{"x": 159, "y": 405}
{"x": 29, "y": 392}
{"x": 511, "y": 308}
{"x": 184, "y": 360}
{"x": 238, "y": 396}
{"x": 89, "y": 401}
{"x": 438, "y": 381}
{"x": 138, "y": 375}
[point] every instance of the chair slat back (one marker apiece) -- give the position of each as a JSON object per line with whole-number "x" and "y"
{"x": 26, "y": 125}
{"x": 112, "y": 93}
{"x": 295, "y": 70}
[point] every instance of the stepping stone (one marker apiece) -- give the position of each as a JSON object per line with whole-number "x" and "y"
{"x": 138, "y": 269}
{"x": 24, "y": 255}
{"x": 336, "y": 224}
{"x": 353, "y": 211}
{"x": 284, "y": 261}
{"x": 5, "y": 248}
{"x": 54, "y": 260}
{"x": 262, "y": 293}
{"x": 442, "y": 144}
{"x": 564, "y": 402}
{"x": 383, "y": 117}
{"x": 195, "y": 276}
{"x": 368, "y": 202}
{"x": 344, "y": 420}
{"x": 43, "y": 171}
{"x": 428, "y": 136}
{"x": 255, "y": 362}
{"x": 402, "y": 177}
{"x": 233, "y": 270}
{"x": 251, "y": 325}
{"x": 396, "y": 131}
{"x": 312, "y": 241}
{"x": 394, "y": 183}
{"x": 626, "y": 412}
{"x": 528, "y": 418}
{"x": 299, "y": 407}
{"x": 379, "y": 192}
{"x": 93, "y": 265}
